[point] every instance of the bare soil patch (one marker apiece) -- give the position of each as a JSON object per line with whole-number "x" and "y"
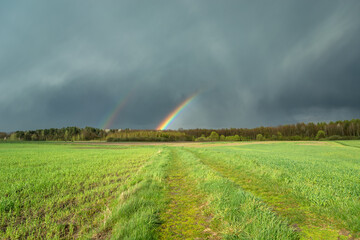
{"x": 312, "y": 143}
{"x": 171, "y": 144}
{"x": 100, "y": 148}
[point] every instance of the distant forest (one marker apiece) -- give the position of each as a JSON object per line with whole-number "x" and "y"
{"x": 339, "y": 130}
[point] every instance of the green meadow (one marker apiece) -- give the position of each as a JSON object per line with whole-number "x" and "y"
{"x": 222, "y": 190}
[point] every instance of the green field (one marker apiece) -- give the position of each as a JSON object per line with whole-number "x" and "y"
{"x": 246, "y": 190}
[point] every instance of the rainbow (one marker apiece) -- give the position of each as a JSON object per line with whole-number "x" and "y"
{"x": 113, "y": 114}
{"x": 170, "y": 118}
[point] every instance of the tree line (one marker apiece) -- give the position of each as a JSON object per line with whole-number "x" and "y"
{"x": 347, "y": 129}
{"x": 58, "y": 134}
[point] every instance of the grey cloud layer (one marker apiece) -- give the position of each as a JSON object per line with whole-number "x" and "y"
{"x": 260, "y": 63}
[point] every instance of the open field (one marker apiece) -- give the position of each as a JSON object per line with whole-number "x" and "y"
{"x": 222, "y": 190}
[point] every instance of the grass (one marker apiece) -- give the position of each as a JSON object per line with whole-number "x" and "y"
{"x": 58, "y": 191}
{"x": 136, "y": 215}
{"x": 315, "y": 187}
{"x": 277, "y": 190}
{"x": 350, "y": 143}
{"x": 240, "y": 214}
{"x": 186, "y": 216}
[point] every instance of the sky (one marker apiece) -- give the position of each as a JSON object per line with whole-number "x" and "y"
{"x": 254, "y": 63}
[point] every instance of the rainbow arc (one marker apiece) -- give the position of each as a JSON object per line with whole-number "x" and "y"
{"x": 171, "y": 116}
{"x": 119, "y": 106}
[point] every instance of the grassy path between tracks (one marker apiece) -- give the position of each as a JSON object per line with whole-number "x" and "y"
{"x": 186, "y": 216}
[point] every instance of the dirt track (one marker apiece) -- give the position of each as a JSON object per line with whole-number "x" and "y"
{"x": 189, "y": 144}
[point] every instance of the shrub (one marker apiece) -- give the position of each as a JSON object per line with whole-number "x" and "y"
{"x": 260, "y": 137}
{"x": 334, "y": 137}
{"x": 201, "y": 139}
{"x": 233, "y": 138}
{"x": 320, "y": 134}
{"x": 296, "y": 138}
{"x": 214, "y": 136}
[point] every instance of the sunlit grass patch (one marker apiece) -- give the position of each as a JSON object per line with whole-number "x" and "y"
{"x": 241, "y": 215}
{"x": 277, "y": 190}
{"x": 316, "y": 187}
{"x": 52, "y": 190}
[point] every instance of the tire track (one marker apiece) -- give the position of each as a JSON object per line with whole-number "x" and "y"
{"x": 301, "y": 218}
{"x": 185, "y": 217}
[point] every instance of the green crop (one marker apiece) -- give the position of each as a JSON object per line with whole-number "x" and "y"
{"x": 316, "y": 185}
{"x": 61, "y": 191}
{"x": 223, "y": 190}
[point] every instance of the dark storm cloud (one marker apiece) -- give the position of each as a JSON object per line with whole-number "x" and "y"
{"x": 255, "y": 63}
